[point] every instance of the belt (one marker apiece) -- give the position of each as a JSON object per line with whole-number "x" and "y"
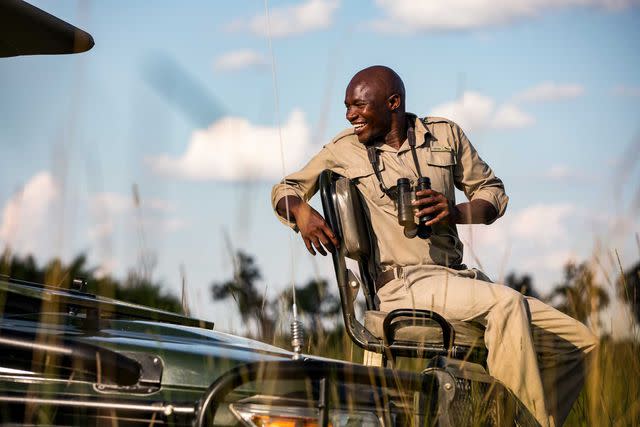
{"x": 386, "y": 276}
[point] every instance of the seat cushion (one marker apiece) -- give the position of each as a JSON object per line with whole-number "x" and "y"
{"x": 466, "y": 333}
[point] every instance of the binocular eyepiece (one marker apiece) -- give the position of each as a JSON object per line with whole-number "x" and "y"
{"x": 406, "y": 211}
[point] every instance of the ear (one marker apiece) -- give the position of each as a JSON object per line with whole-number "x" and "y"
{"x": 394, "y": 101}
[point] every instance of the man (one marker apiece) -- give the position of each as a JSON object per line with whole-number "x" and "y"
{"x": 535, "y": 350}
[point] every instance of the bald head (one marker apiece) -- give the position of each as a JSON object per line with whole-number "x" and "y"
{"x": 384, "y": 80}
{"x": 375, "y": 104}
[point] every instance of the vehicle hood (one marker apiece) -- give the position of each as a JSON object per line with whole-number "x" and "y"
{"x": 190, "y": 356}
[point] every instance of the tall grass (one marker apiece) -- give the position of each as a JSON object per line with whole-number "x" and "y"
{"x": 611, "y": 396}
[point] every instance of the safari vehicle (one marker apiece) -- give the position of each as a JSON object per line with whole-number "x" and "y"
{"x": 68, "y": 357}
{"x": 71, "y": 358}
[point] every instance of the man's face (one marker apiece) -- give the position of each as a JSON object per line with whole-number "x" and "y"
{"x": 367, "y": 111}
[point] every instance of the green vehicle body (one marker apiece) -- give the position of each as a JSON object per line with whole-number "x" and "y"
{"x": 71, "y": 358}
{"x": 188, "y": 354}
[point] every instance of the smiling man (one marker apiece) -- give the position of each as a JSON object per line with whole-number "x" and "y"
{"x": 535, "y": 350}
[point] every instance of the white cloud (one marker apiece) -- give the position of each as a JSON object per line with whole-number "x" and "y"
{"x": 27, "y": 217}
{"x": 536, "y": 239}
{"x": 474, "y": 111}
{"x": 311, "y": 15}
{"x": 38, "y": 220}
{"x": 539, "y": 224}
{"x": 626, "y": 90}
{"x": 542, "y": 223}
{"x": 550, "y": 91}
{"x": 412, "y": 15}
{"x": 509, "y": 116}
{"x": 239, "y": 59}
{"x": 232, "y": 148}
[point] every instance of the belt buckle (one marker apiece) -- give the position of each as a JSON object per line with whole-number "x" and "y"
{"x": 388, "y": 275}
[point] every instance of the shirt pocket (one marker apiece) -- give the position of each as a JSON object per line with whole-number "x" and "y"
{"x": 441, "y": 162}
{"x": 368, "y": 184}
{"x": 441, "y": 157}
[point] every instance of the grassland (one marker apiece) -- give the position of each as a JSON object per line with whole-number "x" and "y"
{"x": 611, "y": 396}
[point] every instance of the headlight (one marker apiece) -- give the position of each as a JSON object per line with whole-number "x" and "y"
{"x": 259, "y": 415}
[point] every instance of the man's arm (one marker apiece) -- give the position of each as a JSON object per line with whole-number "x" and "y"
{"x": 485, "y": 191}
{"x": 488, "y": 200}
{"x": 313, "y": 228}
{"x": 476, "y": 211}
{"x": 289, "y": 197}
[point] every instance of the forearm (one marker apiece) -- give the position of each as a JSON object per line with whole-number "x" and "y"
{"x": 287, "y": 206}
{"x": 315, "y": 232}
{"x": 477, "y": 211}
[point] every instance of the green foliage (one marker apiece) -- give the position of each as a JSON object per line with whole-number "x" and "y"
{"x": 134, "y": 289}
{"x": 610, "y": 395}
{"x": 137, "y": 290}
{"x": 316, "y": 305}
{"x": 522, "y": 284}
{"x": 629, "y": 289}
{"x": 580, "y": 295}
{"x": 251, "y": 302}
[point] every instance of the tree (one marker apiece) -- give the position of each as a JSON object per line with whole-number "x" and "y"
{"x": 629, "y": 289}
{"x": 134, "y": 289}
{"x": 522, "y": 284}
{"x": 315, "y": 303}
{"x": 580, "y": 295}
{"x": 54, "y": 273}
{"x": 138, "y": 290}
{"x": 252, "y": 304}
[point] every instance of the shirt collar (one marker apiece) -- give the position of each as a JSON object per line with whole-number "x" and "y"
{"x": 421, "y": 133}
{"x": 421, "y": 137}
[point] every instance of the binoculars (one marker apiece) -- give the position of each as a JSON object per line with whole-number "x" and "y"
{"x": 405, "y": 194}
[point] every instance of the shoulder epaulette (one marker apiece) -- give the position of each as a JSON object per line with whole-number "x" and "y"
{"x": 343, "y": 134}
{"x": 431, "y": 120}
{"x": 436, "y": 120}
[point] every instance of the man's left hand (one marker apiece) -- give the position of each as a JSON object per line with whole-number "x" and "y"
{"x": 435, "y": 204}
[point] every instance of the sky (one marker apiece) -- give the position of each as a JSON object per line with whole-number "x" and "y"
{"x": 159, "y": 146}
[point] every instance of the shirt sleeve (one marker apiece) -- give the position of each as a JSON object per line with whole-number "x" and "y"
{"x": 475, "y": 178}
{"x": 303, "y": 183}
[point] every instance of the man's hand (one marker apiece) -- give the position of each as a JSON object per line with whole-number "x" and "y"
{"x": 313, "y": 228}
{"x": 430, "y": 202}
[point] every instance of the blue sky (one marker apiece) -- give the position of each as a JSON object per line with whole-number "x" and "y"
{"x": 178, "y": 99}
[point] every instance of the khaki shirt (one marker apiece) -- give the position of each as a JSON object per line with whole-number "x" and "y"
{"x": 445, "y": 155}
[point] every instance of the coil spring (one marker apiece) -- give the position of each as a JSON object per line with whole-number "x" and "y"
{"x": 297, "y": 337}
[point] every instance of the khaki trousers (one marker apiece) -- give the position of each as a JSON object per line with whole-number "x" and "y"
{"x": 534, "y": 350}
